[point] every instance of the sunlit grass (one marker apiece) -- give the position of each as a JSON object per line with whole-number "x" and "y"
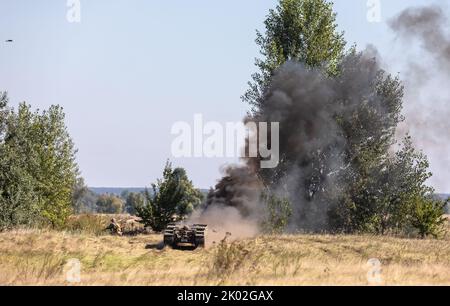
{"x": 39, "y": 257}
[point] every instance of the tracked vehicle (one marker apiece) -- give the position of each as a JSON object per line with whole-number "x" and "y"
{"x": 176, "y": 235}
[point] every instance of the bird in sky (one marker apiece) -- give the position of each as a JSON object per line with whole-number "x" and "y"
{"x": 9, "y": 41}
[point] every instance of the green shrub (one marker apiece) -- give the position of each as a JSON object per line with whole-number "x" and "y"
{"x": 278, "y": 214}
{"x": 171, "y": 199}
{"x": 428, "y": 217}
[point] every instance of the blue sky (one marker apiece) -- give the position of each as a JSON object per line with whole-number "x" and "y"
{"x": 132, "y": 68}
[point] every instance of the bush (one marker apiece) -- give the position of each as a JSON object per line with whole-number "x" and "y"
{"x": 428, "y": 217}
{"x": 171, "y": 199}
{"x": 278, "y": 214}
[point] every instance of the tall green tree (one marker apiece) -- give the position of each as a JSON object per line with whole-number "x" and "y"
{"x": 298, "y": 30}
{"x": 369, "y": 129}
{"x": 171, "y": 199}
{"x": 56, "y": 170}
{"x": 38, "y": 167}
{"x": 18, "y": 199}
{"x": 374, "y": 191}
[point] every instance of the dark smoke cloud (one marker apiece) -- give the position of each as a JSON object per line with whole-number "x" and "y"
{"x": 234, "y": 206}
{"x": 428, "y": 26}
{"x": 306, "y": 102}
{"x": 239, "y": 188}
{"x": 426, "y": 77}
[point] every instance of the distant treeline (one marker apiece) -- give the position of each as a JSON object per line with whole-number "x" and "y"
{"x": 120, "y": 190}
{"x": 125, "y": 199}
{"x": 116, "y": 190}
{"x": 445, "y": 197}
{"x": 113, "y": 200}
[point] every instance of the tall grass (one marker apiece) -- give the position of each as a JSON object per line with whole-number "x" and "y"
{"x": 227, "y": 259}
{"x": 39, "y": 257}
{"x": 88, "y": 224}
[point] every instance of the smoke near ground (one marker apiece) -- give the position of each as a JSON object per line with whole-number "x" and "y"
{"x": 427, "y": 91}
{"x": 306, "y": 103}
{"x": 233, "y": 210}
{"x": 314, "y": 144}
{"x": 225, "y": 222}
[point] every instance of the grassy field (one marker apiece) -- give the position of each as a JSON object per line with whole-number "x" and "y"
{"x": 40, "y": 257}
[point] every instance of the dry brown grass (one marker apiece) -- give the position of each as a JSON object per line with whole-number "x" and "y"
{"x": 96, "y": 224}
{"x": 39, "y": 257}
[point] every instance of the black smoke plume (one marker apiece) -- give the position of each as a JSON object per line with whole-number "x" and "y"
{"x": 311, "y": 108}
{"x": 326, "y": 122}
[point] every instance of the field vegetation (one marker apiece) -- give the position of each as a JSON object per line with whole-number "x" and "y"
{"x": 30, "y": 256}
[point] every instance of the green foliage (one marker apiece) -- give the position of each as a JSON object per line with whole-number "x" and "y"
{"x": 279, "y": 212}
{"x": 109, "y": 204}
{"x": 427, "y": 217}
{"x": 38, "y": 168}
{"x": 299, "y": 30}
{"x": 392, "y": 198}
{"x": 377, "y": 191}
{"x": 380, "y": 189}
{"x": 18, "y": 200}
{"x": 132, "y": 201}
{"x": 83, "y": 199}
{"x": 172, "y": 198}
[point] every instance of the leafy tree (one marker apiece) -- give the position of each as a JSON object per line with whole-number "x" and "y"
{"x": 132, "y": 201}
{"x": 369, "y": 183}
{"x": 384, "y": 199}
{"x": 17, "y": 196}
{"x": 299, "y": 30}
{"x": 16, "y": 186}
{"x": 53, "y": 165}
{"x": 279, "y": 212}
{"x": 109, "y": 204}
{"x": 380, "y": 192}
{"x": 376, "y": 191}
{"x": 171, "y": 198}
{"x": 412, "y": 202}
{"x": 428, "y": 216}
{"x": 38, "y": 166}
{"x": 303, "y": 31}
